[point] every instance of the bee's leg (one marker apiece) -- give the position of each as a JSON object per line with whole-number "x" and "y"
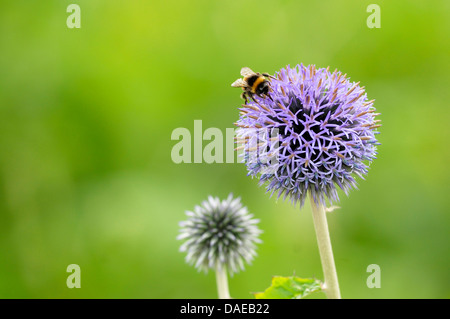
{"x": 267, "y": 75}
{"x": 263, "y": 96}
{"x": 254, "y": 100}
{"x": 244, "y": 97}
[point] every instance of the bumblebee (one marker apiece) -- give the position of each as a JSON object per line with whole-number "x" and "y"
{"x": 253, "y": 84}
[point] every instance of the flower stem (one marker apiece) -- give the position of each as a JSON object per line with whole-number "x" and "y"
{"x": 326, "y": 253}
{"x": 222, "y": 282}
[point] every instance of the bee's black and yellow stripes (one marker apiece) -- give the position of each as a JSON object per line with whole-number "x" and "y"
{"x": 254, "y": 81}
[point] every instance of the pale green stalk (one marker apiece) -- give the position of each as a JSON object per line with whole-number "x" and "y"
{"x": 222, "y": 282}
{"x": 326, "y": 253}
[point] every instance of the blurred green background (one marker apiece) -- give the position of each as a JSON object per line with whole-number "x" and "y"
{"x": 86, "y": 117}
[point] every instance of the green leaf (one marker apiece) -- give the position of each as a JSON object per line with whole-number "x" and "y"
{"x": 290, "y": 288}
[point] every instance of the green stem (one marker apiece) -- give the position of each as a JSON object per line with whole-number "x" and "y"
{"x": 326, "y": 253}
{"x": 222, "y": 282}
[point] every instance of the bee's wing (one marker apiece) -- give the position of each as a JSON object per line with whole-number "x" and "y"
{"x": 246, "y": 71}
{"x": 238, "y": 83}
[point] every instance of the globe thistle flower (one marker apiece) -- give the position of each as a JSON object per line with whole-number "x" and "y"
{"x": 312, "y": 133}
{"x": 326, "y": 134}
{"x": 220, "y": 235}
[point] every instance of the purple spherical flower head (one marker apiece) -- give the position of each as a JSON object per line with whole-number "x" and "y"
{"x": 313, "y": 132}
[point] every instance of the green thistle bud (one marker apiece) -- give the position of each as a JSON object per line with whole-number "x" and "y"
{"x": 219, "y": 234}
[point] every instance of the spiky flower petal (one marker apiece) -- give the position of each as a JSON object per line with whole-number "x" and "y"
{"x": 326, "y": 134}
{"x": 219, "y": 233}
